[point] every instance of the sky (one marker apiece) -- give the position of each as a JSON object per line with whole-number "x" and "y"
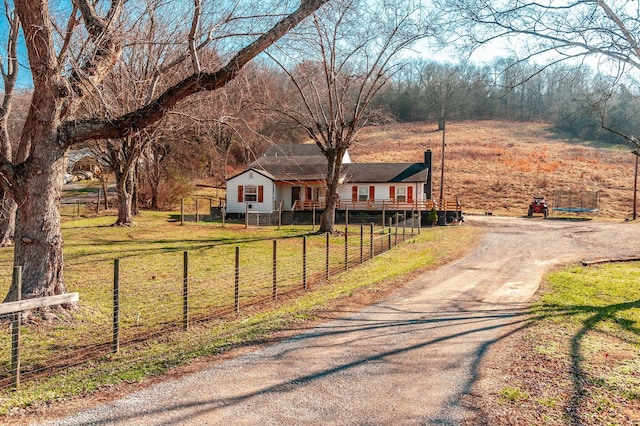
{"x": 424, "y": 49}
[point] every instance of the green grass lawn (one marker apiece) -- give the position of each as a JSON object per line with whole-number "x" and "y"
{"x": 580, "y": 363}
{"x": 151, "y": 278}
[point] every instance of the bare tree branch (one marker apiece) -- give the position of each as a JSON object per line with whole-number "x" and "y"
{"x": 68, "y": 34}
{"x": 108, "y": 46}
{"x": 574, "y": 26}
{"x": 9, "y": 77}
{"x": 77, "y": 131}
{"x": 195, "y": 62}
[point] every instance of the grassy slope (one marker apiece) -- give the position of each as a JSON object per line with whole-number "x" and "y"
{"x": 498, "y": 166}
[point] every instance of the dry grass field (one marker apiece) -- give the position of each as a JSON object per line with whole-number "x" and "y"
{"x": 497, "y": 166}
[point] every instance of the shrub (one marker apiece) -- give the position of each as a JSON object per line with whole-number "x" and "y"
{"x": 432, "y": 216}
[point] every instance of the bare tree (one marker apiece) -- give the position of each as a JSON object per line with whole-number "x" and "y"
{"x": 69, "y": 60}
{"x": 141, "y": 70}
{"x": 553, "y": 32}
{"x": 9, "y": 71}
{"x": 344, "y": 57}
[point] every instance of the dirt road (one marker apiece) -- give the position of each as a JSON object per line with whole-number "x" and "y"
{"x": 409, "y": 359}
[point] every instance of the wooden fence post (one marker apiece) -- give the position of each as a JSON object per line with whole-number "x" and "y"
{"x": 413, "y": 218}
{"x": 275, "y": 270}
{"x": 404, "y": 226}
{"x": 185, "y": 291}
{"x": 326, "y": 266}
{"x": 115, "y": 346}
{"x": 371, "y": 248}
{"x": 304, "y": 262}
{"x": 237, "y": 281}
{"x": 182, "y": 211}
{"x": 390, "y": 226}
{"x": 15, "y": 329}
{"x": 396, "y": 229}
{"x": 361, "y": 243}
{"x": 346, "y": 248}
{"x": 197, "y": 208}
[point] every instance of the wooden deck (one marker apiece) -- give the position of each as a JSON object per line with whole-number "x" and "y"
{"x": 379, "y": 205}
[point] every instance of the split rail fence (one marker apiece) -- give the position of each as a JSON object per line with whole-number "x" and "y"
{"x": 206, "y": 293}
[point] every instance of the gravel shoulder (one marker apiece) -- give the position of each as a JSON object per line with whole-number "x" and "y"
{"x": 412, "y": 358}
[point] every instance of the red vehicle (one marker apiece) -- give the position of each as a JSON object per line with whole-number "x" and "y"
{"x": 538, "y": 205}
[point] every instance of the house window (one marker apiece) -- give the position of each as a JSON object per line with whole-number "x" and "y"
{"x": 401, "y": 194}
{"x": 363, "y": 193}
{"x": 250, "y": 193}
{"x": 316, "y": 193}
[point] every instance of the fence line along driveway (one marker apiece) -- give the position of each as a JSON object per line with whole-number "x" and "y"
{"x": 409, "y": 359}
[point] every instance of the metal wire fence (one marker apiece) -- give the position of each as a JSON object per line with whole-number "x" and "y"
{"x": 119, "y": 311}
{"x": 576, "y": 202}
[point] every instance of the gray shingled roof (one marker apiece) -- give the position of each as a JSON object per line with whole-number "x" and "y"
{"x": 294, "y": 150}
{"x": 294, "y": 172}
{"x": 305, "y": 162}
{"x": 385, "y": 172}
{"x": 299, "y": 162}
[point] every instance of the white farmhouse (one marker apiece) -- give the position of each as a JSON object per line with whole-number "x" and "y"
{"x": 292, "y": 178}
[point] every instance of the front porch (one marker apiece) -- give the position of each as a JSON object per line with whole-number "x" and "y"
{"x": 378, "y": 205}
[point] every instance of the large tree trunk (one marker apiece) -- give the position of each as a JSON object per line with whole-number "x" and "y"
{"x": 38, "y": 237}
{"x": 104, "y": 183}
{"x": 154, "y": 176}
{"x": 155, "y": 205}
{"x": 8, "y": 209}
{"x": 126, "y": 190}
{"x": 135, "y": 207}
{"x": 328, "y": 217}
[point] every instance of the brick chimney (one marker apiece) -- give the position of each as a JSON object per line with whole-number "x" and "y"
{"x": 427, "y": 186}
{"x": 427, "y": 158}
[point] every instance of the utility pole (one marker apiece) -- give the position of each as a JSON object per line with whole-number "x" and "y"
{"x": 635, "y": 182}
{"x": 444, "y": 126}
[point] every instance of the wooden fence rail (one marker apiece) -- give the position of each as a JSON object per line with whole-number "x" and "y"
{"x": 16, "y": 308}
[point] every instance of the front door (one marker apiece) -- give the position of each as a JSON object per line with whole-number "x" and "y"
{"x": 295, "y": 195}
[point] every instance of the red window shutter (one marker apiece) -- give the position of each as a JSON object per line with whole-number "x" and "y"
{"x": 240, "y": 193}
{"x": 354, "y": 194}
{"x": 392, "y": 192}
{"x": 372, "y": 193}
{"x": 410, "y": 194}
{"x": 260, "y": 194}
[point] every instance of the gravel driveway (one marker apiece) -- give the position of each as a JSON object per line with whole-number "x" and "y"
{"x": 409, "y": 359}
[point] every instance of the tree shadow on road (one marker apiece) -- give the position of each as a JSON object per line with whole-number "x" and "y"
{"x": 591, "y": 318}
{"x": 452, "y": 326}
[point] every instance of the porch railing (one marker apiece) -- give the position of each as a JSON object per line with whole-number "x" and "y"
{"x": 382, "y": 204}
